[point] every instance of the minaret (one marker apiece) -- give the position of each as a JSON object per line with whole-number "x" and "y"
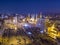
{"x": 29, "y": 15}
{"x": 16, "y": 18}
{"x": 41, "y": 15}
{"x": 36, "y": 16}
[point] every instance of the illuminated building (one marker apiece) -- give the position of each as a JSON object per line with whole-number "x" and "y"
{"x": 57, "y": 23}
{"x": 52, "y": 31}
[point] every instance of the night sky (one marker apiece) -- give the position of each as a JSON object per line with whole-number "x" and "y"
{"x": 29, "y": 6}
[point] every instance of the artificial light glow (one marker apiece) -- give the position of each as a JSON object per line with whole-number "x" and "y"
{"x": 52, "y": 33}
{"x": 41, "y": 31}
{"x": 29, "y": 33}
{"x": 14, "y": 21}
{"x": 15, "y": 28}
{"x": 32, "y": 19}
{"x": 23, "y": 20}
{"x": 52, "y": 27}
{"x": 25, "y": 25}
